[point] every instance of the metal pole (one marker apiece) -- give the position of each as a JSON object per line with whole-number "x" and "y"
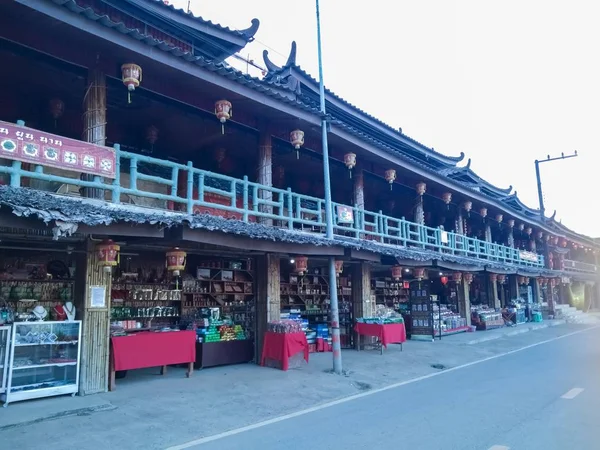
{"x": 335, "y": 316}
{"x": 539, "y": 188}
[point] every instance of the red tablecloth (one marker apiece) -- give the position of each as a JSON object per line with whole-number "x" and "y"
{"x": 140, "y": 350}
{"x": 281, "y": 346}
{"x": 392, "y": 333}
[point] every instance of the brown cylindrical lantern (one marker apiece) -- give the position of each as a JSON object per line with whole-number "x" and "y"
{"x": 350, "y": 162}
{"x": 224, "y": 112}
{"x": 339, "y": 267}
{"x": 419, "y": 273}
{"x": 176, "y": 259}
{"x": 483, "y": 212}
{"x": 457, "y": 277}
{"x": 131, "y": 75}
{"x": 447, "y": 198}
{"x": 301, "y": 264}
{"x": 390, "y": 176}
{"x": 297, "y": 141}
{"x": 108, "y": 254}
{"x": 421, "y": 188}
{"x": 396, "y": 272}
{"x": 501, "y": 279}
{"x": 468, "y": 277}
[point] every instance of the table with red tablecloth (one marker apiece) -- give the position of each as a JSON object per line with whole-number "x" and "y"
{"x": 152, "y": 349}
{"x": 282, "y": 346}
{"x": 391, "y": 333}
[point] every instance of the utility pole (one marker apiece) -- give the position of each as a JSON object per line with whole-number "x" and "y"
{"x": 539, "y": 180}
{"x": 335, "y": 315}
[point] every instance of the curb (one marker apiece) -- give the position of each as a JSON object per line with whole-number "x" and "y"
{"x": 61, "y": 415}
{"x": 521, "y": 330}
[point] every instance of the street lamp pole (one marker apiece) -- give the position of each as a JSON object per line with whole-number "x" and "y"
{"x": 335, "y": 316}
{"x": 539, "y": 180}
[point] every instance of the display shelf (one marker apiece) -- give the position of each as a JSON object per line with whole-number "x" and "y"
{"x": 35, "y": 366}
{"x": 5, "y": 332}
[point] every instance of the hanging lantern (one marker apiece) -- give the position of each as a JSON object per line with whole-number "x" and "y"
{"x": 301, "y": 264}
{"x": 107, "y": 252}
{"x": 224, "y": 112}
{"x": 527, "y": 281}
{"x": 57, "y": 109}
{"x": 457, "y": 277}
{"x": 419, "y": 273}
{"x": 297, "y": 140}
{"x": 152, "y": 135}
{"x": 131, "y": 74}
{"x": 390, "y": 176}
{"x": 444, "y": 280}
{"x": 521, "y": 226}
{"x": 468, "y": 205}
{"x": 493, "y": 277}
{"x": 176, "y": 259}
{"x": 447, "y": 198}
{"x": 220, "y": 156}
{"x": 421, "y": 188}
{"x": 554, "y": 240}
{"x": 521, "y": 280}
{"x": 483, "y": 212}
{"x": 501, "y": 279}
{"x": 539, "y": 235}
{"x": 552, "y": 282}
{"x": 563, "y": 242}
{"x": 543, "y": 281}
{"x": 510, "y": 223}
{"x": 468, "y": 277}
{"x": 339, "y": 267}
{"x": 350, "y": 161}
{"x": 528, "y": 231}
{"x": 499, "y": 218}
{"x": 396, "y": 272}
{"x": 280, "y": 174}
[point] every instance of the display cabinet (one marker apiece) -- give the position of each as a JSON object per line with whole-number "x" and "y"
{"x": 44, "y": 360}
{"x": 4, "y": 351}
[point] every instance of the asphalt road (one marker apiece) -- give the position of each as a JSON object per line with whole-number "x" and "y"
{"x": 512, "y": 402}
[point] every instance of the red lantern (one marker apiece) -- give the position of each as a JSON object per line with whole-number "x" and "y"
{"x": 543, "y": 281}
{"x": 107, "y": 253}
{"x": 57, "y": 108}
{"x": 421, "y": 188}
{"x": 224, "y": 112}
{"x": 510, "y": 223}
{"x": 521, "y": 226}
{"x": 552, "y": 282}
{"x": 350, "y": 162}
{"x": 539, "y": 235}
{"x": 499, "y": 218}
{"x": 390, "y": 176}
{"x": 493, "y": 277}
{"x": 396, "y": 272}
{"x": 468, "y": 277}
{"x": 301, "y": 264}
{"x": 297, "y": 140}
{"x": 501, "y": 279}
{"x": 419, "y": 273}
{"x": 528, "y": 230}
{"x": 563, "y": 242}
{"x": 447, "y": 198}
{"x": 176, "y": 259}
{"x": 444, "y": 280}
{"x": 521, "y": 280}
{"x": 339, "y": 267}
{"x": 483, "y": 212}
{"x": 457, "y": 277}
{"x": 131, "y": 75}
{"x": 468, "y": 206}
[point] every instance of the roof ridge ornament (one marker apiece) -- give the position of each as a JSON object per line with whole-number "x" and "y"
{"x": 272, "y": 67}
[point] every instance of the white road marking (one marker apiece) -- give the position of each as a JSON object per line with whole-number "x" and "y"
{"x": 572, "y": 393}
{"x": 499, "y": 447}
{"x": 225, "y": 434}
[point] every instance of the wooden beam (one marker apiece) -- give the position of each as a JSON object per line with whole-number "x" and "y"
{"x": 123, "y": 229}
{"x": 245, "y": 243}
{"x": 364, "y": 255}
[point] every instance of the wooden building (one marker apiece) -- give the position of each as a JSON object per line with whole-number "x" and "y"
{"x": 188, "y": 152}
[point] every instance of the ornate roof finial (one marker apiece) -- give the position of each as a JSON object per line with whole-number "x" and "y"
{"x": 272, "y": 67}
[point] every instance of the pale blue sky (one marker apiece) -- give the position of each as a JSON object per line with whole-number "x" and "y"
{"x": 505, "y": 82}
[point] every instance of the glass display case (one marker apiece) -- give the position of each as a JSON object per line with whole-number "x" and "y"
{"x": 4, "y": 350}
{"x": 44, "y": 360}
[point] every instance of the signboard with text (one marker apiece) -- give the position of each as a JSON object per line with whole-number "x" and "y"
{"x": 31, "y": 146}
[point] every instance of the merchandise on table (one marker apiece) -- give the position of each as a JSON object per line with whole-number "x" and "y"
{"x": 284, "y": 326}
{"x": 383, "y": 315}
{"x": 447, "y": 322}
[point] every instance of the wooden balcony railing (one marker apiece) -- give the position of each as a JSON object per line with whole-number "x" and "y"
{"x": 581, "y": 267}
{"x": 148, "y": 181}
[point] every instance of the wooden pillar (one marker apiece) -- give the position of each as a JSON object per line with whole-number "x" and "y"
{"x": 362, "y": 301}
{"x": 464, "y": 300}
{"x": 94, "y": 119}
{"x": 460, "y": 223}
{"x": 95, "y": 346}
{"x": 502, "y": 293}
{"x": 492, "y": 290}
{"x": 537, "y": 290}
{"x": 359, "y": 188}
{"x": 488, "y": 233}
{"x": 268, "y": 301}
{"x": 513, "y": 287}
{"x": 265, "y": 171}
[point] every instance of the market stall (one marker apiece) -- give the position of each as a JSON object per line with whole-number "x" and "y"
{"x": 152, "y": 349}
{"x": 387, "y": 326}
{"x": 283, "y": 344}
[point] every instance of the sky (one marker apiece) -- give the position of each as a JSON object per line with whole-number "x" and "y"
{"x": 504, "y": 82}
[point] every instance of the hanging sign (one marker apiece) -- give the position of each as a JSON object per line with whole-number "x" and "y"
{"x": 528, "y": 256}
{"x": 25, "y": 144}
{"x": 345, "y": 214}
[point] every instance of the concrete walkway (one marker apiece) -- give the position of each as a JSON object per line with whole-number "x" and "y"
{"x": 146, "y": 404}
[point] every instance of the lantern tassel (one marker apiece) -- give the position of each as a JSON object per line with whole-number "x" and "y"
{"x": 222, "y": 128}
{"x": 350, "y": 173}
{"x": 129, "y": 97}
{"x": 297, "y": 154}
{"x": 390, "y": 186}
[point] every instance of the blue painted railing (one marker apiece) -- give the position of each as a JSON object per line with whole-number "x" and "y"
{"x": 252, "y": 202}
{"x": 581, "y": 267}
